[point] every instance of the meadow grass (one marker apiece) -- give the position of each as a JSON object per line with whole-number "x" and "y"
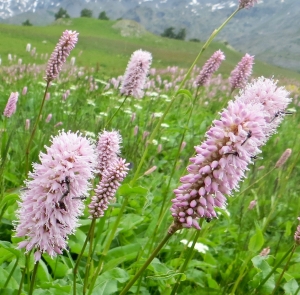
{"x": 226, "y": 256}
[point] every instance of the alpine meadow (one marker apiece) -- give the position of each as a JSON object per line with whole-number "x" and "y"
{"x": 133, "y": 163}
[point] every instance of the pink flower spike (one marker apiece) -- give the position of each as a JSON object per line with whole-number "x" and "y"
{"x": 61, "y": 51}
{"x": 220, "y": 163}
{"x": 106, "y": 189}
{"x": 108, "y": 149}
{"x": 136, "y": 74}
{"x": 209, "y": 68}
{"x": 239, "y": 76}
{"x": 246, "y": 3}
{"x": 11, "y": 105}
{"x": 273, "y": 98}
{"x": 50, "y": 206}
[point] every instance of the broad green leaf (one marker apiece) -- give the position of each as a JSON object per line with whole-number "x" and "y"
{"x": 9, "y": 247}
{"x": 76, "y": 241}
{"x": 127, "y": 190}
{"x": 43, "y": 273}
{"x": 56, "y": 287}
{"x": 106, "y": 284}
{"x": 5, "y": 255}
{"x": 184, "y": 92}
{"x": 12, "y": 284}
{"x": 263, "y": 269}
{"x": 291, "y": 287}
{"x": 59, "y": 269}
{"x": 256, "y": 241}
{"x": 9, "y": 200}
{"x": 118, "y": 255}
{"x": 130, "y": 221}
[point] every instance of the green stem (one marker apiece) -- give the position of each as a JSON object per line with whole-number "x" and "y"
{"x": 32, "y": 281}
{"x": 186, "y": 261}
{"x": 11, "y": 273}
{"x": 107, "y": 245}
{"x": 89, "y": 258}
{"x": 110, "y": 119}
{"x": 148, "y": 261}
{"x": 241, "y": 274}
{"x": 283, "y": 271}
{"x": 80, "y": 256}
{"x": 33, "y": 131}
{"x": 274, "y": 268}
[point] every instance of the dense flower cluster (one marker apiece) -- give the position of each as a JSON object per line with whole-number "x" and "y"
{"x": 209, "y": 68}
{"x": 52, "y": 201}
{"x": 58, "y": 57}
{"x": 239, "y": 76}
{"x": 106, "y": 189}
{"x": 108, "y": 149}
{"x": 231, "y": 144}
{"x": 11, "y": 105}
{"x": 246, "y": 3}
{"x": 136, "y": 74}
{"x": 112, "y": 170}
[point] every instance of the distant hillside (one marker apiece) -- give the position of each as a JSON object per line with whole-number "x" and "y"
{"x": 107, "y": 45}
{"x": 269, "y": 30}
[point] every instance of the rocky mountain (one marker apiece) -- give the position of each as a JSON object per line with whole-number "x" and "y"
{"x": 270, "y": 30}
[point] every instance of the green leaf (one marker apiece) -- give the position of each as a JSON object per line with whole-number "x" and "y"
{"x": 107, "y": 283}
{"x": 291, "y": 287}
{"x": 184, "y": 92}
{"x": 126, "y": 190}
{"x": 42, "y": 273}
{"x": 12, "y": 284}
{"x": 8, "y": 200}
{"x": 256, "y": 241}
{"x": 263, "y": 269}
{"x": 130, "y": 221}
{"x": 119, "y": 255}
{"x": 10, "y": 248}
{"x": 59, "y": 269}
{"x": 171, "y": 274}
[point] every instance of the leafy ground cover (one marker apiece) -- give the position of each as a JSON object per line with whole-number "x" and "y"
{"x": 226, "y": 257}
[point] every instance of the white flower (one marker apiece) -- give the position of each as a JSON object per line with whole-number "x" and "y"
{"x": 198, "y": 246}
{"x": 164, "y": 125}
{"x": 157, "y": 115}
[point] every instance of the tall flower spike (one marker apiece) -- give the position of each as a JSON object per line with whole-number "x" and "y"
{"x": 61, "y": 51}
{"x": 239, "y": 76}
{"x": 11, "y": 105}
{"x": 209, "y": 68}
{"x": 136, "y": 74}
{"x": 297, "y": 234}
{"x": 106, "y": 189}
{"x": 219, "y": 164}
{"x": 231, "y": 144}
{"x": 246, "y": 3}
{"x": 108, "y": 149}
{"x": 49, "y": 208}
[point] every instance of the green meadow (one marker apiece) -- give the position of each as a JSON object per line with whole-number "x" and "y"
{"x": 249, "y": 249}
{"x": 104, "y": 46}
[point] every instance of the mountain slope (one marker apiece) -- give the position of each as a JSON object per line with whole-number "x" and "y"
{"x": 267, "y": 30}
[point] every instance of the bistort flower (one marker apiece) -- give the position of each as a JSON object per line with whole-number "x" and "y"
{"x": 222, "y": 159}
{"x": 11, "y": 105}
{"x": 61, "y": 51}
{"x": 239, "y": 76}
{"x": 136, "y": 74}
{"x": 51, "y": 204}
{"x": 246, "y": 3}
{"x": 108, "y": 149}
{"x": 209, "y": 68}
{"x": 106, "y": 189}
